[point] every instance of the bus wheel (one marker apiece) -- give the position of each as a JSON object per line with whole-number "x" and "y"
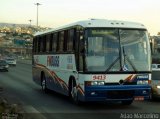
{"x": 74, "y": 92}
{"x": 128, "y": 102}
{"x": 43, "y": 83}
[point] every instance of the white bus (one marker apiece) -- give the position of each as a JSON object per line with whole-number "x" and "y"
{"x": 94, "y": 60}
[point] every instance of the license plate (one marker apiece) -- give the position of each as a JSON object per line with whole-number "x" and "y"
{"x": 139, "y": 98}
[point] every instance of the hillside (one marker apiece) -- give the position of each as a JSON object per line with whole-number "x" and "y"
{"x": 13, "y": 25}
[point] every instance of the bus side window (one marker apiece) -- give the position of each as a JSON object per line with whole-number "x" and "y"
{"x": 65, "y": 40}
{"x": 54, "y": 42}
{"x": 70, "y": 40}
{"x": 39, "y": 43}
{"x": 47, "y": 42}
{"x": 44, "y": 43}
{"x": 50, "y": 42}
{"x": 34, "y": 46}
{"x": 61, "y": 41}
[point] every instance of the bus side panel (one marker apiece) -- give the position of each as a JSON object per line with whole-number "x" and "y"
{"x": 36, "y": 75}
{"x": 57, "y": 70}
{"x": 62, "y": 81}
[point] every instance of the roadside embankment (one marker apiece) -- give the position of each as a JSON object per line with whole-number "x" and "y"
{"x": 9, "y": 109}
{"x": 10, "y": 106}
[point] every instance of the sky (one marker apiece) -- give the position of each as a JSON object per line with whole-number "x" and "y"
{"x": 54, "y": 13}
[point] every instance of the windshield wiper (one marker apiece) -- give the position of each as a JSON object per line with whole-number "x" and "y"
{"x": 125, "y": 58}
{"x": 133, "y": 66}
{"x": 112, "y": 64}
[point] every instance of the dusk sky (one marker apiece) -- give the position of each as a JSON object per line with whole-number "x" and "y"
{"x": 53, "y": 13}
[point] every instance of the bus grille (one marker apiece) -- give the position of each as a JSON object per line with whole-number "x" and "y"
{"x": 125, "y": 83}
{"x": 120, "y": 94}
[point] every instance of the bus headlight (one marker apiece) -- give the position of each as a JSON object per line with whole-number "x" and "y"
{"x": 158, "y": 87}
{"x": 94, "y": 83}
{"x": 142, "y": 82}
{"x": 101, "y": 83}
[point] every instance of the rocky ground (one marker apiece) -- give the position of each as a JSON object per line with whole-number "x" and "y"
{"x": 9, "y": 108}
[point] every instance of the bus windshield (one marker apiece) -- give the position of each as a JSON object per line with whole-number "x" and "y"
{"x": 110, "y": 50}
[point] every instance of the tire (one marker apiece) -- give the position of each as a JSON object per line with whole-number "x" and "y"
{"x": 43, "y": 83}
{"x": 73, "y": 93}
{"x": 128, "y": 102}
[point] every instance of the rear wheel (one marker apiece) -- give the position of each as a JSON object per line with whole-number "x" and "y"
{"x": 43, "y": 83}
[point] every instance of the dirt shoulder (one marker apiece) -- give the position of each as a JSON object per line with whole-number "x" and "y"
{"x": 10, "y": 107}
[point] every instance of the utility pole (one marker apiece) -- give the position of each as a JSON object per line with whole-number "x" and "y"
{"x": 37, "y": 4}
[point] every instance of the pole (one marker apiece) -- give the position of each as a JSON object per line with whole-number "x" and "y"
{"x": 37, "y": 11}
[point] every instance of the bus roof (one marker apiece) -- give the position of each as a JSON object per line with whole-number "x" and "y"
{"x": 98, "y": 23}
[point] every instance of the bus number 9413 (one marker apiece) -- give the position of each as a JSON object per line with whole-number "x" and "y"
{"x": 99, "y": 77}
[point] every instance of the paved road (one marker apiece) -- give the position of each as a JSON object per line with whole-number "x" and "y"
{"x": 19, "y": 88}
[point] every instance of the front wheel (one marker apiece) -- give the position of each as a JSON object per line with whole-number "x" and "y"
{"x": 74, "y": 93}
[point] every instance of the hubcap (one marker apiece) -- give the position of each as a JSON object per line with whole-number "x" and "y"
{"x": 43, "y": 84}
{"x": 74, "y": 92}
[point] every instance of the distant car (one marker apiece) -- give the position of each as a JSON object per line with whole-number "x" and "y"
{"x": 11, "y": 61}
{"x": 3, "y": 65}
{"x": 155, "y": 83}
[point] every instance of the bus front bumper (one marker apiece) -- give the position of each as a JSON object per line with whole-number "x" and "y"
{"x": 117, "y": 93}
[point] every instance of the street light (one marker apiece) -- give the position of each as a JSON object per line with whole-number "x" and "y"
{"x": 30, "y": 21}
{"x": 37, "y": 11}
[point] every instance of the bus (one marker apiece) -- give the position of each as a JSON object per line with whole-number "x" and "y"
{"x": 94, "y": 60}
